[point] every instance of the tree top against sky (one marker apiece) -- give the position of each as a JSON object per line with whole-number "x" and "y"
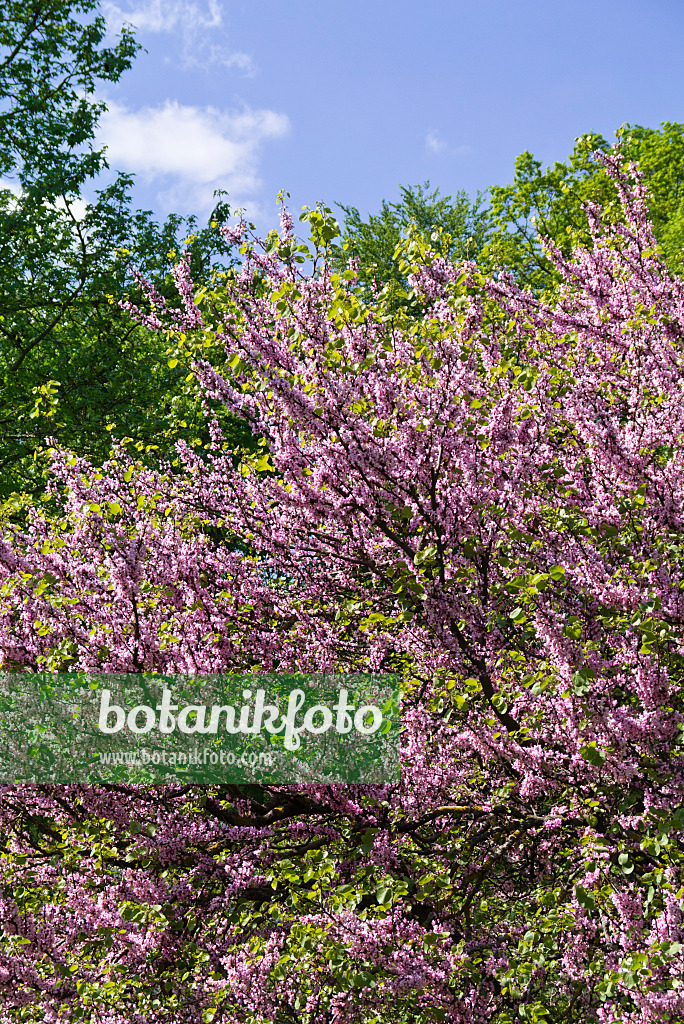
{"x": 53, "y": 60}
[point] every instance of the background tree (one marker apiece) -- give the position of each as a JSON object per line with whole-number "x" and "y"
{"x": 51, "y": 62}
{"x": 456, "y": 227}
{"x": 72, "y": 365}
{"x": 550, "y": 202}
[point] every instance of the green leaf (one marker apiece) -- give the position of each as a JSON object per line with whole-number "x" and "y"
{"x": 592, "y": 755}
{"x": 384, "y": 896}
{"x": 584, "y": 898}
{"x": 581, "y": 681}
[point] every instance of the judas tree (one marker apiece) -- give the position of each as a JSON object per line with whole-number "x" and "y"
{"x": 477, "y": 491}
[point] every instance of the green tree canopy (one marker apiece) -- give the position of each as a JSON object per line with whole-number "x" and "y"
{"x": 550, "y": 202}
{"x": 72, "y": 364}
{"x": 457, "y": 227}
{"x": 52, "y": 59}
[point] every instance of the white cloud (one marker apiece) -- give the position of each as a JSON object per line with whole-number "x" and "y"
{"x": 165, "y": 15}
{"x": 190, "y": 151}
{"x": 197, "y": 25}
{"x": 434, "y": 144}
{"x": 10, "y": 186}
{"x": 78, "y": 207}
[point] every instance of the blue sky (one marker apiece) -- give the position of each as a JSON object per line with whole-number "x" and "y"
{"x": 343, "y": 102}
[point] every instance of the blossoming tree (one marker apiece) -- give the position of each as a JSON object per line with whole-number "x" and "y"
{"x": 472, "y": 489}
